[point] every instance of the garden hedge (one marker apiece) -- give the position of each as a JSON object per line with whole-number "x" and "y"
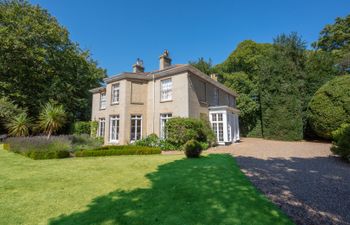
{"x": 330, "y": 107}
{"x": 118, "y": 150}
{"x": 58, "y": 154}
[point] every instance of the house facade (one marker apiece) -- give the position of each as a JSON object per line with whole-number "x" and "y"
{"x": 133, "y": 105}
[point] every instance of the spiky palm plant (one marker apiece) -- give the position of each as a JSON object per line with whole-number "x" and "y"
{"x": 19, "y": 125}
{"x": 51, "y": 118}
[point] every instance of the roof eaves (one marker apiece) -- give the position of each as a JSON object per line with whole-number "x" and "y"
{"x": 97, "y": 90}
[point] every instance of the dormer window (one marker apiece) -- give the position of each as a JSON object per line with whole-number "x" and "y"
{"x": 166, "y": 90}
{"x": 103, "y": 100}
{"x": 115, "y": 93}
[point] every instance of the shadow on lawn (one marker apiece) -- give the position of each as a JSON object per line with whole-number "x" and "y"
{"x": 209, "y": 190}
{"x": 311, "y": 190}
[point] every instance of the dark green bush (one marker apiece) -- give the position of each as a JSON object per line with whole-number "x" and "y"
{"x": 181, "y": 130}
{"x": 330, "y": 107}
{"x": 193, "y": 149}
{"x": 58, "y": 154}
{"x": 341, "y": 146}
{"x": 118, "y": 150}
{"x": 82, "y": 127}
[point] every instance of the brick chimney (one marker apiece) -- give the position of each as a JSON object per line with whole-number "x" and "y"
{"x": 138, "y": 66}
{"x": 164, "y": 60}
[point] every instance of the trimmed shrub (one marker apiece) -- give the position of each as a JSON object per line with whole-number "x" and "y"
{"x": 57, "y": 154}
{"x": 339, "y": 132}
{"x": 39, "y": 147}
{"x": 82, "y": 127}
{"x": 193, "y": 149}
{"x": 181, "y": 130}
{"x": 330, "y": 107}
{"x": 341, "y": 146}
{"x": 118, "y": 150}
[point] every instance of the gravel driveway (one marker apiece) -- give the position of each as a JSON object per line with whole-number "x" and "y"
{"x": 303, "y": 178}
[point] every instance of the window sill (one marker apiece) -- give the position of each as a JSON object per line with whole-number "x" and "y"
{"x": 103, "y": 108}
{"x": 114, "y": 142}
{"x": 162, "y": 101}
{"x": 115, "y": 103}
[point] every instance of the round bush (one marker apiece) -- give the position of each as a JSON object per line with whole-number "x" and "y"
{"x": 342, "y": 146}
{"x": 330, "y": 107}
{"x": 193, "y": 149}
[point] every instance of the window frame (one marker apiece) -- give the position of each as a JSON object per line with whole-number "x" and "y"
{"x": 101, "y": 132}
{"x": 115, "y": 89}
{"x": 164, "y": 117}
{"x": 217, "y": 124}
{"x": 138, "y": 122}
{"x": 168, "y": 93}
{"x": 115, "y": 118}
{"x": 103, "y": 99}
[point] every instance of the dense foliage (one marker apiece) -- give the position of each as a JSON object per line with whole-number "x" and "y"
{"x": 40, "y": 147}
{"x": 7, "y": 110}
{"x": 153, "y": 140}
{"x": 282, "y": 89}
{"x": 276, "y": 82}
{"x": 341, "y": 146}
{"x": 82, "y": 127}
{"x": 193, "y": 149}
{"x": 180, "y": 130}
{"x": 203, "y": 65}
{"x": 38, "y": 62}
{"x": 118, "y": 150}
{"x": 330, "y": 107}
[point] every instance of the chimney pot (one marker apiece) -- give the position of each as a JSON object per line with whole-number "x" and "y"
{"x": 138, "y": 66}
{"x": 164, "y": 60}
{"x": 214, "y": 76}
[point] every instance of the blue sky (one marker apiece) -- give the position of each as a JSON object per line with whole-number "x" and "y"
{"x": 118, "y": 32}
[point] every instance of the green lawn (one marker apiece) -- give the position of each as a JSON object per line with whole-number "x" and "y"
{"x": 155, "y": 189}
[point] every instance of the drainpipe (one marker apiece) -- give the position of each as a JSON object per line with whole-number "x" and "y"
{"x": 153, "y": 102}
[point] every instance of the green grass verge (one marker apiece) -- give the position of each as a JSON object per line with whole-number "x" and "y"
{"x": 153, "y": 189}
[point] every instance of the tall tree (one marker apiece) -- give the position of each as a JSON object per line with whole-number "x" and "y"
{"x": 203, "y": 65}
{"x": 240, "y": 72}
{"x": 283, "y": 89}
{"x": 38, "y": 62}
{"x": 335, "y": 38}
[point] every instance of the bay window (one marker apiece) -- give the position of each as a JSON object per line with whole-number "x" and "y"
{"x": 217, "y": 124}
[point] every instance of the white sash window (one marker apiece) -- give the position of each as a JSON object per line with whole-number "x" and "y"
{"x": 114, "y": 128}
{"x": 101, "y": 127}
{"x": 103, "y": 100}
{"x": 166, "y": 87}
{"x": 136, "y": 127}
{"x": 163, "y": 119}
{"x": 115, "y": 93}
